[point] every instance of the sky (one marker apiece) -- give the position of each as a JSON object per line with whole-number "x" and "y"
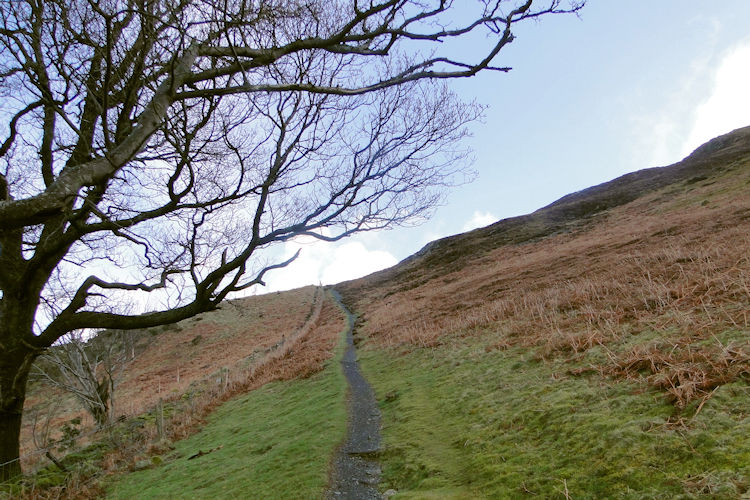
{"x": 621, "y": 87}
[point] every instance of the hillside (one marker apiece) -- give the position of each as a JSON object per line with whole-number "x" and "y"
{"x": 173, "y": 379}
{"x": 595, "y": 348}
{"x": 724, "y": 154}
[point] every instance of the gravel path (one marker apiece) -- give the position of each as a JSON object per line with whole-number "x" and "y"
{"x": 356, "y": 471}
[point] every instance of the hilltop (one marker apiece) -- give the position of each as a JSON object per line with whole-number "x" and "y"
{"x": 578, "y": 210}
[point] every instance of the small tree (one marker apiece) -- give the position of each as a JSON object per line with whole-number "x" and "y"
{"x": 88, "y": 370}
{"x": 160, "y": 146}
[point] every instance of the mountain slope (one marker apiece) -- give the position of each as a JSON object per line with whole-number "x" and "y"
{"x": 175, "y": 376}
{"x": 573, "y": 211}
{"x": 597, "y": 347}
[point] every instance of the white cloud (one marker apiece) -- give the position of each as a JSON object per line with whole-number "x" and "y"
{"x": 479, "y": 219}
{"x": 352, "y": 260}
{"x": 728, "y": 105}
{"x": 326, "y": 263}
{"x": 660, "y": 117}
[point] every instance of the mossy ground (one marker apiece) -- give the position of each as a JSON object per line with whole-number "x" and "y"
{"x": 461, "y": 422}
{"x": 275, "y": 442}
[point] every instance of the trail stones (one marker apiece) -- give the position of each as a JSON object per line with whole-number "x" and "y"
{"x": 356, "y": 472}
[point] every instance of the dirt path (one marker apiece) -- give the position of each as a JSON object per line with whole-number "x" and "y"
{"x": 356, "y": 471}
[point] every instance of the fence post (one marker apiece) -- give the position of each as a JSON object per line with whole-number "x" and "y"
{"x": 160, "y": 419}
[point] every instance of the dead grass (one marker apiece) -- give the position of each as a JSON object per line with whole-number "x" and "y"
{"x": 299, "y": 355}
{"x": 77, "y": 486}
{"x": 684, "y": 370}
{"x": 231, "y": 338}
{"x": 206, "y": 354}
{"x": 668, "y": 266}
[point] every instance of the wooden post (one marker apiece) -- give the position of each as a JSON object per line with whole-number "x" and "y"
{"x": 160, "y": 419}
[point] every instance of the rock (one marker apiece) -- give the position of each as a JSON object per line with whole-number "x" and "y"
{"x": 389, "y": 493}
{"x": 142, "y": 465}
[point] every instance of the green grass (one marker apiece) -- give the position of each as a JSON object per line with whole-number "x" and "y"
{"x": 277, "y": 442}
{"x": 459, "y": 422}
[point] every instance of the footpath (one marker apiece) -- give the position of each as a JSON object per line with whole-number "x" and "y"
{"x": 356, "y": 472}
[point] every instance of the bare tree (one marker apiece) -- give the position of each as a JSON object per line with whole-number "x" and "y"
{"x": 159, "y": 147}
{"x": 41, "y": 431}
{"x": 87, "y": 369}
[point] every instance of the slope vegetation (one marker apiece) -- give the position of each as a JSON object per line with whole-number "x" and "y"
{"x": 598, "y": 347}
{"x": 595, "y": 348}
{"x": 179, "y": 375}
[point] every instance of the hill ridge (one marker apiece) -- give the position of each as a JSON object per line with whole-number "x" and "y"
{"x": 574, "y": 210}
{"x": 575, "y": 347}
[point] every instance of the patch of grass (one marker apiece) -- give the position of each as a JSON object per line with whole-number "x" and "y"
{"x": 461, "y": 422}
{"x": 274, "y": 442}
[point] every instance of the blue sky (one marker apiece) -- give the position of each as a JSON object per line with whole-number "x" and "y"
{"x": 624, "y": 86}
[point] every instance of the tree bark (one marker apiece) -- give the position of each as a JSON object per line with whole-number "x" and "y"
{"x": 10, "y": 430}
{"x": 14, "y": 371}
{"x": 100, "y": 411}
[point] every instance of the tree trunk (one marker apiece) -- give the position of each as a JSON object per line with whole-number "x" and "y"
{"x": 100, "y": 411}
{"x": 10, "y": 431}
{"x": 15, "y": 364}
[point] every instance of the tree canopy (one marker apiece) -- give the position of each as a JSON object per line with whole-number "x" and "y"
{"x": 161, "y": 145}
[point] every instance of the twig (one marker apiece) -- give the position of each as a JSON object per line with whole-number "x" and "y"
{"x": 60, "y": 466}
{"x": 565, "y": 491}
{"x": 705, "y": 398}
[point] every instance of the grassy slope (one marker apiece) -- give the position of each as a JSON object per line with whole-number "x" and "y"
{"x": 556, "y": 355}
{"x": 607, "y": 357}
{"x": 276, "y": 442}
{"x": 183, "y": 357}
{"x": 460, "y": 422}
